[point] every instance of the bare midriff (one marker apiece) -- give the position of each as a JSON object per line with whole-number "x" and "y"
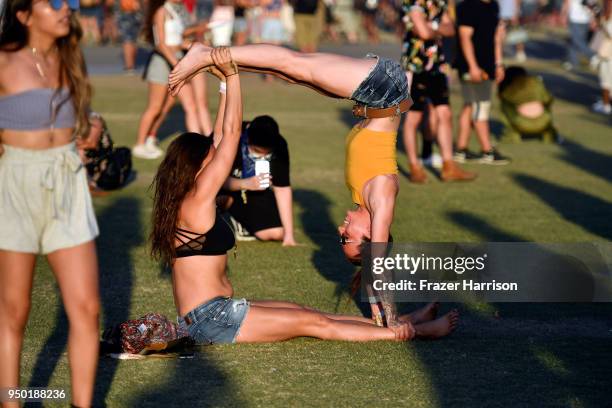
{"x": 198, "y": 279}
{"x": 36, "y": 139}
{"x": 531, "y": 109}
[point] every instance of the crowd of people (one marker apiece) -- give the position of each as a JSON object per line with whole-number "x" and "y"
{"x": 237, "y": 170}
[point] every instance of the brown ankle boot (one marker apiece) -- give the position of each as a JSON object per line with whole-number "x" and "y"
{"x": 417, "y": 174}
{"x": 452, "y": 172}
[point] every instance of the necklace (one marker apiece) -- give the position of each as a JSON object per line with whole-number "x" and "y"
{"x": 38, "y": 66}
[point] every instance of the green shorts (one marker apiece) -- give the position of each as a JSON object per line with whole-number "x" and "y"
{"x": 45, "y": 203}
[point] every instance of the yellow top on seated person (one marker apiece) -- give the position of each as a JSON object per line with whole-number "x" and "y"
{"x": 369, "y": 153}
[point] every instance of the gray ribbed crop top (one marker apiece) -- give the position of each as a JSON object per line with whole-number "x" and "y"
{"x": 40, "y": 108}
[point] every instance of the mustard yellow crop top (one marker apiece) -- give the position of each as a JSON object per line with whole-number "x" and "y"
{"x": 369, "y": 153}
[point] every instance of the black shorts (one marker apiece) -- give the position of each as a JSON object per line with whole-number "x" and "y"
{"x": 429, "y": 86}
{"x": 259, "y": 213}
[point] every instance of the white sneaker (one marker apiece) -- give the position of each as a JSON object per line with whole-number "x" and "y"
{"x": 142, "y": 152}
{"x": 600, "y": 107}
{"x": 240, "y": 233}
{"x": 151, "y": 144}
{"x": 434, "y": 161}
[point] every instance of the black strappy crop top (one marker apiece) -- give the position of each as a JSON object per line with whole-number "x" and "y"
{"x": 216, "y": 241}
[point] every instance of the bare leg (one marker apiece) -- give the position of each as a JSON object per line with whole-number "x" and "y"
{"x": 335, "y": 74}
{"x": 76, "y": 271}
{"x": 157, "y": 97}
{"x": 270, "y": 234}
{"x": 129, "y": 55}
{"x": 411, "y": 123}
{"x": 465, "y": 127}
{"x": 290, "y": 305}
{"x": 201, "y": 103}
{"x": 445, "y": 131}
{"x": 16, "y": 271}
{"x": 484, "y": 134}
{"x": 269, "y": 324}
{"x": 187, "y": 98}
{"x": 168, "y": 104}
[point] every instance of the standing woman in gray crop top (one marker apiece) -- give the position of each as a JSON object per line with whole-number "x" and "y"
{"x": 45, "y": 205}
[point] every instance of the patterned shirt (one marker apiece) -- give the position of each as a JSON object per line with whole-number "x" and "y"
{"x": 420, "y": 55}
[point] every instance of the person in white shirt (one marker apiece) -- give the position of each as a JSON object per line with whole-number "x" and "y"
{"x": 578, "y": 18}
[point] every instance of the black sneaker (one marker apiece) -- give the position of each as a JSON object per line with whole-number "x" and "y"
{"x": 464, "y": 155}
{"x": 493, "y": 157}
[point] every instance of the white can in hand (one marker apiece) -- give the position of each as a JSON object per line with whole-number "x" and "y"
{"x": 262, "y": 167}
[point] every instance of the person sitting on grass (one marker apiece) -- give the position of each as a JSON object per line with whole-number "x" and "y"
{"x": 261, "y": 205}
{"x": 526, "y": 106}
{"x": 379, "y": 87}
{"x": 189, "y": 235}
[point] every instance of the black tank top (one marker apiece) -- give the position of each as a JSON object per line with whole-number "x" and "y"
{"x": 216, "y": 241}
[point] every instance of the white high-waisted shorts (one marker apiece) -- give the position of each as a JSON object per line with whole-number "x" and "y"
{"x": 45, "y": 203}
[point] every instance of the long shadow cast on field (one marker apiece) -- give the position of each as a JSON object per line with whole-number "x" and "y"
{"x": 119, "y": 219}
{"x": 328, "y": 258}
{"x": 583, "y": 209}
{"x": 592, "y": 161}
{"x": 120, "y": 232}
{"x": 515, "y": 359}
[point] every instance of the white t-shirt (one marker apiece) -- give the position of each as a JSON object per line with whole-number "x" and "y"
{"x": 507, "y": 9}
{"x": 578, "y": 13}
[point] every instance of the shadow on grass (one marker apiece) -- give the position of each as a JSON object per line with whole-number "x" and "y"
{"x": 531, "y": 355}
{"x": 583, "y": 209}
{"x": 562, "y": 87}
{"x": 327, "y": 257}
{"x": 195, "y": 382}
{"x": 122, "y": 218}
{"x": 592, "y": 161}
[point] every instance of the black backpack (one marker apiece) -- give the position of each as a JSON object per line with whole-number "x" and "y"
{"x": 109, "y": 167}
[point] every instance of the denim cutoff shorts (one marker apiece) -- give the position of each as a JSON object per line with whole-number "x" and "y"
{"x": 386, "y": 85}
{"x": 217, "y": 321}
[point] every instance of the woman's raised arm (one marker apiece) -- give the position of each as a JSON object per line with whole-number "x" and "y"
{"x": 211, "y": 179}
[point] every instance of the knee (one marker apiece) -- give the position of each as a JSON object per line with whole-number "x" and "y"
{"x": 444, "y": 115}
{"x": 14, "y": 313}
{"x": 272, "y": 234}
{"x": 320, "y": 322}
{"x": 84, "y": 311}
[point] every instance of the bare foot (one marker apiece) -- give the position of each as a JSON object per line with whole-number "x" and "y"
{"x": 438, "y": 328}
{"x": 424, "y": 314}
{"x": 196, "y": 59}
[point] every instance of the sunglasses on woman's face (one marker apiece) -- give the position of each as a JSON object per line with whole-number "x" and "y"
{"x": 57, "y": 4}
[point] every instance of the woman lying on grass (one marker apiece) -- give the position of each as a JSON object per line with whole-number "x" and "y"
{"x": 189, "y": 234}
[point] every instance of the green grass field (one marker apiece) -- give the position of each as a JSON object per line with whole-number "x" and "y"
{"x": 532, "y": 355}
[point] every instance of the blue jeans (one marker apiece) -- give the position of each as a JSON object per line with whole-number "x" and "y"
{"x": 386, "y": 85}
{"x": 579, "y": 33}
{"x": 217, "y": 321}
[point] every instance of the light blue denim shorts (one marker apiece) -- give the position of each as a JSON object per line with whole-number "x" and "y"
{"x": 217, "y": 321}
{"x": 385, "y": 86}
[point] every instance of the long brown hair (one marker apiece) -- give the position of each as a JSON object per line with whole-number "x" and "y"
{"x": 174, "y": 179}
{"x": 147, "y": 27}
{"x": 73, "y": 71}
